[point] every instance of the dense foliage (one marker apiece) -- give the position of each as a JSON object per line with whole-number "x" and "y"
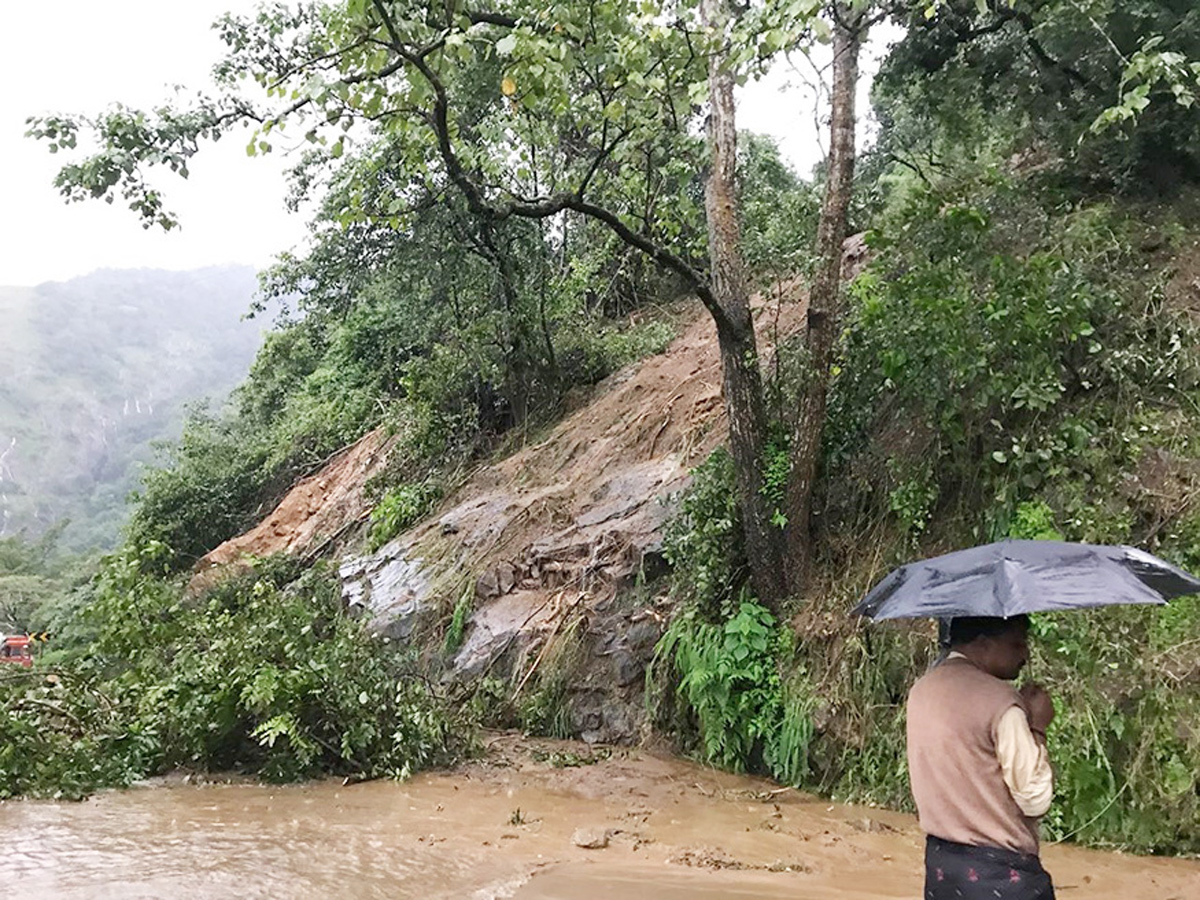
{"x": 1031, "y": 79}
{"x": 35, "y": 577}
{"x": 264, "y": 675}
{"x": 1018, "y": 358}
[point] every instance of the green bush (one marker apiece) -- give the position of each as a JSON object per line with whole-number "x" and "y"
{"x": 778, "y": 211}
{"x": 1124, "y": 743}
{"x": 400, "y": 507}
{"x": 986, "y": 363}
{"x": 208, "y": 489}
{"x": 746, "y": 716}
{"x": 1034, "y": 521}
{"x": 703, "y": 542}
{"x": 543, "y": 706}
{"x": 595, "y": 348}
{"x": 258, "y": 676}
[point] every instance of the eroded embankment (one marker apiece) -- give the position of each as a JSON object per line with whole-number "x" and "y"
{"x": 540, "y": 545}
{"x": 543, "y": 543}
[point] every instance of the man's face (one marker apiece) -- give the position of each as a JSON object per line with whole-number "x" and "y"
{"x": 1007, "y": 653}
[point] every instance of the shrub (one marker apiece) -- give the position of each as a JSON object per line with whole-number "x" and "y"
{"x": 260, "y": 677}
{"x": 400, "y": 507}
{"x": 746, "y": 716}
{"x": 703, "y": 542}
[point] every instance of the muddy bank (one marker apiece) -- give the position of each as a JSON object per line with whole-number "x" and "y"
{"x": 533, "y": 820}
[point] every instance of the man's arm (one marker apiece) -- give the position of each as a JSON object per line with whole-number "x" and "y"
{"x": 1024, "y": 762}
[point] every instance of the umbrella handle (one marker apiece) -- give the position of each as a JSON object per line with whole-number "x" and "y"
{"x": 943, "y": 638}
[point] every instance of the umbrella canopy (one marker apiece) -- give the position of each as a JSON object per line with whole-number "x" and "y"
{"x": 1012, "y": 577}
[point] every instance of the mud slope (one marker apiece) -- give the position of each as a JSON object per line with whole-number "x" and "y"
{"x": 316, "y": 511}
{"x": 538, "y": 544}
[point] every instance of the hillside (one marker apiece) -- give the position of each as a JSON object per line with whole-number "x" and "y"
{"x": 489, "y": 476}
{"x": 93, "y": 372}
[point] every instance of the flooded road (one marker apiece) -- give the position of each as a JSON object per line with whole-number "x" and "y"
{"x": 529, "y": 823}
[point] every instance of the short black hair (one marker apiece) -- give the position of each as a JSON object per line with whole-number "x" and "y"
{"x": 965, "y": 629}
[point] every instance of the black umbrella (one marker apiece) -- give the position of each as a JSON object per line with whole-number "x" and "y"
{"x": 1013, "y": 577}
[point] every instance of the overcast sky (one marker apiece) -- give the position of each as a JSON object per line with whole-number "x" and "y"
{"x": 81, "y": 55}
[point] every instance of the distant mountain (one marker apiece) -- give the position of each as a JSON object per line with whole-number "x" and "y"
{"x": 96, "y": 369}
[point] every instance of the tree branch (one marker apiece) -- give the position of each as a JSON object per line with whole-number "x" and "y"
{"x": 546, "y": 206}
{"x": 478, "y": 17}
{"x": 605, "y": 152}
{"x": 388, "y": 23}
{"x": 664, "y": 257}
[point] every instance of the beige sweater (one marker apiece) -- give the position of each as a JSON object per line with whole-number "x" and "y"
{"x": 956, "y": 775}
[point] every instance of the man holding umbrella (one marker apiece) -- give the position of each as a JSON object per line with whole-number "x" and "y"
{"x": 976, "y": 745}
{"x": 977, "y": 760}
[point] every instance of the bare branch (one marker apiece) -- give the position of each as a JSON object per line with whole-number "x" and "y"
{"x": 696, "y": 280}
{"x": 605, "y": 152}
{"x": 388, "y": 23}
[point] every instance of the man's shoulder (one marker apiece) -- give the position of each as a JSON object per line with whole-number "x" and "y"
{"x": 958, "y": 675}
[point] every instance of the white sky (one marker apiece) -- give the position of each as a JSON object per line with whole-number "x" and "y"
{"x": 81, "y": 55}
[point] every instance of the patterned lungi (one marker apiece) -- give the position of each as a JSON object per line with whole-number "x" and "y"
{"x": 963, "y": 872}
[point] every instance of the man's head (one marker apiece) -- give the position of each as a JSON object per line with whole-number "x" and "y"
{"x": 998, "y": 646}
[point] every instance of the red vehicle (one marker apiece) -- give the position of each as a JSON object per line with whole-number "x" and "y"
{"x": 15, "y": 649}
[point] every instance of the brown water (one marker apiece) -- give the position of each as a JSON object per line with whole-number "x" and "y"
{"x": 504, "y": 828}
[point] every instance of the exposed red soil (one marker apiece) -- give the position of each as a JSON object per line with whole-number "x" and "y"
{"x": 312, "y": 512}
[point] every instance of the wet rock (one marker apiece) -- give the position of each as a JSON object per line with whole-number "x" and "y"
{"x": 591, "y": 838}
{"x": 644, "y": 633}
{"x": 390, "y": 588}
{"x": 506, "y": 577}
{"x": 628, "y": 667}
{"x": 487, "y": 585}
{"x": 497, "y": 581}
{"x": 500, "y": 633}
{"x": 552, "y": 536}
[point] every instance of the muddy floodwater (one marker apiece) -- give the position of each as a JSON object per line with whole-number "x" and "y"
{"x": 534, "y": 820}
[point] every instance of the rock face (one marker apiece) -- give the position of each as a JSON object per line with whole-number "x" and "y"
{"x": 390, "y": 588}
{"x": 543, "y": 542}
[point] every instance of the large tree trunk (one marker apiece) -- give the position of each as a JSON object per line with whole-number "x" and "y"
{"x": 823, "y": 306}
{"x": 735, "y": 327}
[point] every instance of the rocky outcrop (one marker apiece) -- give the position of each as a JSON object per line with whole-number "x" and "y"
{"x": 540, "y": 545}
